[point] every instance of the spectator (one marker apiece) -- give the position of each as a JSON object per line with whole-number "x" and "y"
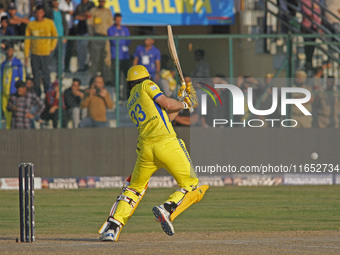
{"x": 311, "y": 12}
{"x": 73, "y": 97}
{"x": 202, "y": 69}
{"x": 5, "y": 29}
{"x": 334, "y": 7}
{"x": 167, "y": 82}
{"x": 98, "y": 24}
{"x": 287, "y": 12}
{"x": 96, "y": 99}
{"x": 25, "y": 107}
{"x": 303, "y": 120}
{"x": 30, "y": 84}
{"x": 40, "y": 48}
{"x": 327, "y": 105}
{"x": 81, "y": 15}
{"x": 16, "y": 20}
{"x": 11, "y": 71}
{"x": 150, "y": 57}
{"x": 124, "y": 56}
{"x": 52, "y": 106}
{"x": 24, "y": 7}
{"x": 67, "y": 7}
{"x": 61, "y": 25}
{"x": 2, "y": 11}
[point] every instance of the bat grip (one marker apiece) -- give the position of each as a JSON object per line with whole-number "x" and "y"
{"x": 183, "y": 95}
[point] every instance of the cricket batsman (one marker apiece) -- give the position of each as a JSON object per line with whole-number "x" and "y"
{"x": 158, "y": 147}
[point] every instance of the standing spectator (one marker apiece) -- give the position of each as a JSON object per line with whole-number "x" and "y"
{"x": 61, "y": 25}
{"x": 52, "y": 106}
{"x": 334, "y": 7}
{"x": 98, "y": 24}
{"x": 24, "y": 7}
{"x": 67, "y": 7}
{"x": 150, "y": 57}
{"x": 40, "y": 48}
{"x": 11, "y": 71}
{"x": 311, "y": 12}
{"x": 16, "y": 20}
{"x": 124, "y": 57}
{"x": 81, "y": 15}
{"x": 73, "y": 97}
{"x": 202, "y": 69}
{"x": 25, "y": 107}
{"x": 96, "y": 99}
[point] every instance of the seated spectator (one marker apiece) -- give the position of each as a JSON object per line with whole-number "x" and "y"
{"x": 202, "y": 69}
{"x": 73, "y": 97}
{"x": 12, "y": 70}
{"x": 303, "y": 120}
{"x": 2, "y": 11}
{"x": 5, "y": 29}
{"x": 17, "y": 21}
{"x": 52, "y": 106}
{"x": 167, "y": 82}
{"x": 25, "y": 107}
{"x": 30, "y": 84}
{"x": 96, "y": 99}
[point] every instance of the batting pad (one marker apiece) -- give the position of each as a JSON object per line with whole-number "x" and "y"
{"x": 189, "y": 199}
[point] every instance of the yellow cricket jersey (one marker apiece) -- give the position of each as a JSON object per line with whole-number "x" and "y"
{"x": 149, "y": 117}
{"x": 40, "y": 47}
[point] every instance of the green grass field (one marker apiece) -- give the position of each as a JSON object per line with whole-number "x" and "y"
{"x": 279, "y": 208}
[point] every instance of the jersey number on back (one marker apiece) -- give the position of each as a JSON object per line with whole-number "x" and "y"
{"x": 138, "y": 114}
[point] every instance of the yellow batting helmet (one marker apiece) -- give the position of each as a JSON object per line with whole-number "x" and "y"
{"x": 137, "y": 72}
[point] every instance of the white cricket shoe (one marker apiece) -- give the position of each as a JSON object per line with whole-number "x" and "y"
{"x": 111, "y": 232}
{"x": 163, "y": 216}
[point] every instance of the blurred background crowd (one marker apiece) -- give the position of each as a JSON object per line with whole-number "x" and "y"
{"x": 76, "y": 79}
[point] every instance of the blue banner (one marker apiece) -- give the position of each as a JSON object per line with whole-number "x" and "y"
{"x": 173, "y": 12}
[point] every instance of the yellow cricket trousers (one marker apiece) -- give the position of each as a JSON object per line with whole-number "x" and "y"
{"x": 169, "y": 153}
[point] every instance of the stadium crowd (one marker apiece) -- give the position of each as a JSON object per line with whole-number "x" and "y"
{"x": 25, "y": 105}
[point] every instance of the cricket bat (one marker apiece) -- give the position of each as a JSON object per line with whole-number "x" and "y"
{"x": 174, "y": 56}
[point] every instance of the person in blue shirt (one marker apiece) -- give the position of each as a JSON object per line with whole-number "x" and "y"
{"x": 124, "y": 56}
{"x": 150, "y": 57}
{"x": 12, "y": 70}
